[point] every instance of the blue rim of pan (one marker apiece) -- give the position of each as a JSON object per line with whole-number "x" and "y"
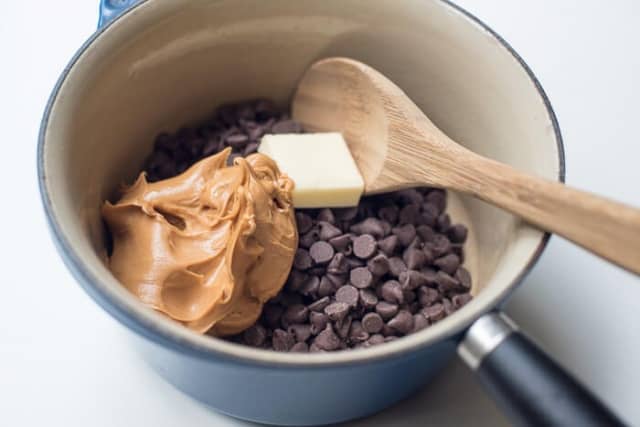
{"x": 150, "y": 330}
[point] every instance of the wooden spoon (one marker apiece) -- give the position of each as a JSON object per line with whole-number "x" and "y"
{"x": 396, "y": 146}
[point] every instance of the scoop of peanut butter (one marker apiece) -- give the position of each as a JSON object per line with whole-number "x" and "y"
{"x": 207, "y": 247}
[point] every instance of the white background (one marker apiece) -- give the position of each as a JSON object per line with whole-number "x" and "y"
{"x": 63, "y": 361}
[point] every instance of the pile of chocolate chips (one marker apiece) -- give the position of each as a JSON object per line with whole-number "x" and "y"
{"x": 361, "y": 276}
{"x": 239, "y": 126}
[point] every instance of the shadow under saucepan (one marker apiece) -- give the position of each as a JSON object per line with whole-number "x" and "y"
{"x": 452, "y": 398}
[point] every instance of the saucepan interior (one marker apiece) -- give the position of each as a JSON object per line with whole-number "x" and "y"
{"x": 165, "y": 64}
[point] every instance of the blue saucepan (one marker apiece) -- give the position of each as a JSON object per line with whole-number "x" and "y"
{"x": 162, "y": 63}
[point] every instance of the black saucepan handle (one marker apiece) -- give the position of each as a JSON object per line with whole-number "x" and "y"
{"x": 528, "y": 385}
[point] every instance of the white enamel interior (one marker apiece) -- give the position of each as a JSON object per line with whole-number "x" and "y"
{"x": 167, "y": 63}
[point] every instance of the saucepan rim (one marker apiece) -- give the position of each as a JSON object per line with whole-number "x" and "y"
{"x": 168, "y": 334}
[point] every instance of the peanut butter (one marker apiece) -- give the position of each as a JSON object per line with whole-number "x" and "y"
{"x": 207, "y": 247}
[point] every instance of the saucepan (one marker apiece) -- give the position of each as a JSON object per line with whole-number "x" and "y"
{"x": 161, "y": 64}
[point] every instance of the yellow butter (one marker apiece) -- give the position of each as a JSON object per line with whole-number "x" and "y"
{"x": 321, "y": 166}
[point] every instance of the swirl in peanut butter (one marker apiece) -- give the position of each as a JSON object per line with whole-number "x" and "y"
{"x": 208, "y": 247}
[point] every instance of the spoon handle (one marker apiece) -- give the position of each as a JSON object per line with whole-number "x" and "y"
{"x": 602, "y": 226}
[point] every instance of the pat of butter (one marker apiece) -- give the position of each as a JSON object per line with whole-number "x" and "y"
{"x": 321, "y": 166}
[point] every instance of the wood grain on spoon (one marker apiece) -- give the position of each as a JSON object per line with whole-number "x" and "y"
{"x": 396, "y": 146}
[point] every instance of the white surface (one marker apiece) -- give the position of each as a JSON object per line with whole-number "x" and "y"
{"x": 63, "y": 361}
{"x": 305, "y": 158}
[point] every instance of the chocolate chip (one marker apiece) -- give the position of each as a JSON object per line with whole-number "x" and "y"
{"x": 443, "y": 222}
{"x": 419, "y": 322}
{"x": 364, "y": 246}
{"x": 368, "y": 299}
{"x": 410, "y": 196}
{"x": 337, "y": 279}
{"x": 255, "y": 336}
{"x": 402, "y": 322}
{"x": 391, "y": 291}
{"x": 386, "y": 310}
{"x": 409, "y": 214}
{"x": 434, "y": 312}
{"x": 238, "y": 141}
{"x": 460, "y": 300}
{"x": 346, "y": 214}
{"x": 389, "y": 244}
{"x": 328, "y": 231}
{"x": 427, "y": 296}
{"x": 256, "y": 133}
{"x": 326, "y": 215}
{"x": 389, "y": 213}
{"x": 355, "y": 262}
{"x": 313, "y": 348}
{"x": 405, "y": 233}
{"x": 429, "y": 215}
{"x": 343, "y": 327}
{"x": 378, "y": 265}
{"x": 396, "y": 266}
{"x": 416, "y": 243}
{"x": 304, "y": 222}
{"x": 439, "y": 245}
{"x": 336, "y": 310}
{"x": 340, "y": 243}
{"x": 286, "y": 126}
{"x": 412, "y": 279}
{"x": 430, "y": 276}
{"x": 282, "y": 340}
{"x": 388, "y": 331}
{"x": 445, "y": 282}
{"x": 338, "y": 264}
{"x": 320, "y": 304}
{"x": 375, "y": 339}
{"x": 463, "y": 276}
{"x": 327, "y": 339}
{"x": 348, "y": 295}
{"x": 458, "y": 249}
{"x": 325, "y": 287}
{"x": 426, "y": 233}
{"x": 309, "y": 238}
{"x": 296, "y": 280}
{"x": 386, "y": 227}
{"x": 299, "y": 347}
{"x": 357, "y": 333}
{"x": 301, "y": 332}
{"x": 318, "y": 322}
{"x": 310, "y": 286}
{"x": 457, "y": 233}
{"x": 361, "y": 277}
{"x": 448, "y": 263}
{"x": 414, "y": 258}
{"x": 370, "y": 226}
{"x": 448, "y": 306}
{"x": 372, "y": 323}
{"x": 296, "y": 313}
{"x": 302, "y": 260}
{"x": 437, "y": 198}
{"x": 321, "y": 252}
